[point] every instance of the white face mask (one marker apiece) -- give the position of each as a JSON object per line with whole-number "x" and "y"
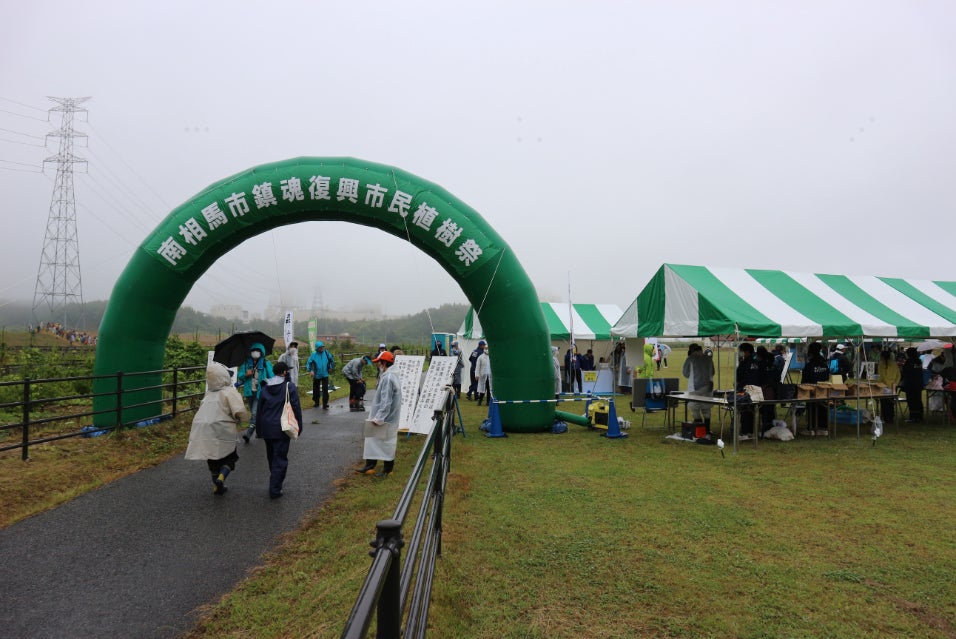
{"x": 293, "y": 351}
{"x": 256, "y": 354}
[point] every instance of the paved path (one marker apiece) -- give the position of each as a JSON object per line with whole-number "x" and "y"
{"x": 138, "y": 556}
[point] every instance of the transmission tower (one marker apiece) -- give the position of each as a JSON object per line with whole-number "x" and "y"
{"x": 58, "y": 277}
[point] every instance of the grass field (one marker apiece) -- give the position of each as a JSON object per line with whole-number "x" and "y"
{"x": 576, "y": 535}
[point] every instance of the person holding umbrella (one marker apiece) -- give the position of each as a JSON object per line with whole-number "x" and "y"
{"x": 252, "y": 375}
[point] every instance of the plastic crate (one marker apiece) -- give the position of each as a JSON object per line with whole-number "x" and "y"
{"x": 845, "y": 416}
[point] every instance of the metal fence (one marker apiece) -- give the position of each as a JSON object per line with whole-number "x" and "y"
{"x": 45, "y": 414}
{"x": 397, "y": 594}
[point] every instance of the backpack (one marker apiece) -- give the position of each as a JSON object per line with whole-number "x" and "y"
{"x": 835, "y": 366}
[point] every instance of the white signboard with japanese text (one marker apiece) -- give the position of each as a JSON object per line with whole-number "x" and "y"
{"x": 432, "y": 397}
{"x": 410, "y": 372}
{"x": 288, "y": 329}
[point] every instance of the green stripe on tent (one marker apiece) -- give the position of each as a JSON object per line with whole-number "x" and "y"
{"x": 949, "y": 287}
{"x": 650, "y": 307}
{"x": 555, "y": 325}
{"x": 594, "y": 320}
{"x": 470, "y": 323}
{"x": 805, "y": 302}
{"x": 723, "y": 308}
{"x": 922, "y": 298}
{"x": 845, "y": 287}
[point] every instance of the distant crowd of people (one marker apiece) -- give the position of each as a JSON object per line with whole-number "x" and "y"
{"x": 70, "y": 334}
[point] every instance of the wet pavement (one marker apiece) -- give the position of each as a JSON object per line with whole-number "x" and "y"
{"x": 138, "y": 557}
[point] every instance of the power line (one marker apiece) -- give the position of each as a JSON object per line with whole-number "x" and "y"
{"x": 10, "y": 168}
{"x": 29, "y": 135}
{"x": 22, "y": 104}
{"x": 122, "y": 185}
{"x": 36, "y": 166}
{"x": 23, "y": 143}
{"x": 28, "y": 117}
{"x": 125, "y": 163}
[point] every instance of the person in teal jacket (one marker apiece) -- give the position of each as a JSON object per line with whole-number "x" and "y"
{"x": 252, "y": 374}
{"x": 320, "y": 364}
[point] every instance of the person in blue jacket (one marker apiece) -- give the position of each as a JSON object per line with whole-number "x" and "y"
{"x": 252, "y": 374}
{"x": 320, "y": 364}
{"x": 269, "y": 426}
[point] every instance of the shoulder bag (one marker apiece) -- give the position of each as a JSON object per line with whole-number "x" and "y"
{"x": 290, "y": 425}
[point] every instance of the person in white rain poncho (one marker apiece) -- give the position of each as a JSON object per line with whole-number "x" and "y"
{"x": 557, "y": 371}
{"x": 381, "y": 427}
{"x": 483, "y": 373}
{"x": 291, "y": 359}
{"x": 213, "y": 433}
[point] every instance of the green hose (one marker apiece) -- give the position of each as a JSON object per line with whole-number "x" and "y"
{"x": 580, "y": 420}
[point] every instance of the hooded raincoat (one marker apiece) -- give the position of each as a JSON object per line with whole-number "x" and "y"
{"x": 213, "y": 433}
{"x": 261, "y": 368}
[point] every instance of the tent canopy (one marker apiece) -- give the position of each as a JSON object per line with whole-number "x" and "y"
{"x": 692, "y": 301}
{"x": 591, "y": 321}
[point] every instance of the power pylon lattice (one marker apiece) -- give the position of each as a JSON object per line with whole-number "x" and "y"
{"x": 58, "y": 278}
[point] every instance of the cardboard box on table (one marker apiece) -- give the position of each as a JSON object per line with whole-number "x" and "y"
{"x": 805, "y": 391}
{"x": 867, "y": 389}
{"x": 828, "y": 389}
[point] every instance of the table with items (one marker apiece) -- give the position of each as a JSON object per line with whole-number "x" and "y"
{"x": 797, "y": 398}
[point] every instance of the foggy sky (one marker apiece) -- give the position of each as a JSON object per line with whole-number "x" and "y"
{"x": 600, "y": 140}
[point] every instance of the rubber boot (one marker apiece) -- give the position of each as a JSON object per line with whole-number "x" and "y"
{"x": 481, "y": 396}
{"x": 360, "y": 406}
{"x": 368, "y": 468}
{"x": 220, "y": 481}
{"x": 387, "y": 469}
{"x": 246, "y": 436}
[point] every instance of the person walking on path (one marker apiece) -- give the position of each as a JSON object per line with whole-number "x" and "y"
{"x": 291, "y": 359}
{"x": 320, "y": 364}
{"x": 213, "y": 434}
{"x": 353, "y": 375}
{"x": 381, "y": 427}
{"x": 252, "y": 375}
{"x": 269, "y": 427}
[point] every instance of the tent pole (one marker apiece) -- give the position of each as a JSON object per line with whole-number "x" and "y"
{"x": 736, "y": 421}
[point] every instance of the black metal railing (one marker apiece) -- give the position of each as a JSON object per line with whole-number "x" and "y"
{"x": 398, "y": 593}
{"x": 42, "y": 418}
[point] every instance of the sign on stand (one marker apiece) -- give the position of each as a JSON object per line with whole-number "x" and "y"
{"x": 410, "y": 372}
{"x": 432, "y": 397}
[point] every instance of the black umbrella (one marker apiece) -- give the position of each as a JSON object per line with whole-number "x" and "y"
{"x": 234, "y": 350}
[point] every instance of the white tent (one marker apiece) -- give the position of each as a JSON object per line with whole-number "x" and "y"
{"x": 590, "y": 321}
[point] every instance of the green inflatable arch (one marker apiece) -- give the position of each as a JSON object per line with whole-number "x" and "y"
{"x": 145, "y": 299}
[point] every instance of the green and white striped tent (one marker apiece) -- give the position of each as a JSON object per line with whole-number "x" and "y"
{"x": 591, "y": 321}
{"x": 693, "y": 301}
